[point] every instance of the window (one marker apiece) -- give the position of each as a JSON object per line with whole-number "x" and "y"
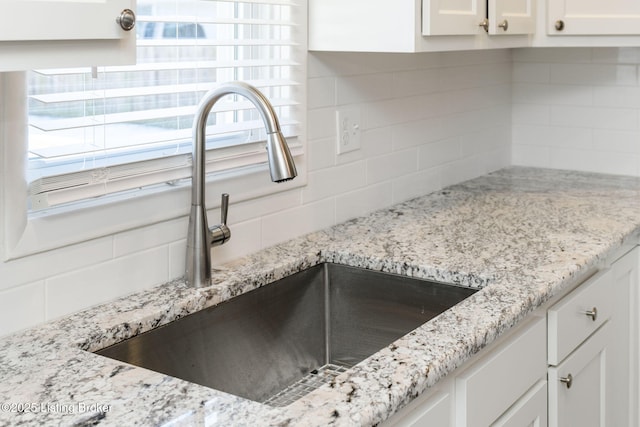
{"x": 102, "y": 130}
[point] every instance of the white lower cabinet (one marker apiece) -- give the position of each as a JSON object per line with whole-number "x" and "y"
{"x": 593, "y": 339}
{"x": 575, "y": 364}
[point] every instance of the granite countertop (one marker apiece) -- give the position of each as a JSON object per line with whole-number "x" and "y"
{"x": 522, "y": 235}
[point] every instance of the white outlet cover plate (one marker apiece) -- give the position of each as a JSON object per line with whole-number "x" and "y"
{"x": 348, "y": 129}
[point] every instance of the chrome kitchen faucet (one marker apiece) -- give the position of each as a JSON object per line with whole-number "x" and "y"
{"x": 200, "y": 237}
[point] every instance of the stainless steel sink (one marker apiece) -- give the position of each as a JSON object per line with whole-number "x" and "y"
{"x": 279, "y": 342}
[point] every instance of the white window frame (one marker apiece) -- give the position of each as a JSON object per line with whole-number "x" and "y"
{"x": 26, "y": 233}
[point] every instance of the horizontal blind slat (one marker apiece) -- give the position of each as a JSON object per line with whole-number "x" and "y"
{"x": 217, "y": 20}
{"x": 142, "y": 115}
{"x": 214, "y": 42}
{"x": 129, "y": 92}
{"x": 182, "y": 65}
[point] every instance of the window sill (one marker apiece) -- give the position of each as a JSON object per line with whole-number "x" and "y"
{"x": 67, "y": 225}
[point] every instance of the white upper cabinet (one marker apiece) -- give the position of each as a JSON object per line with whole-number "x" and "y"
{"x": 508, "y": 17}
{"x": 418, "y": 25}
{"x": 63, "y": 33}
{"x": 452, "y": 17}
{"x": 469, "y": 17}
{"x": 593, "y": 17}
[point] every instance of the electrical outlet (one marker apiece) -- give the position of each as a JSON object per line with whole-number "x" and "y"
{"x": 348, "y": 129}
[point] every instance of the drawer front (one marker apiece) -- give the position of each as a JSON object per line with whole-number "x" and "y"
{"x": 577, "y": 387}
{"x": 578, "y": 315}
{"x": 506, "y": 374}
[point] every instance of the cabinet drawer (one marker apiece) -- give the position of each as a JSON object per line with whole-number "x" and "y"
{"x": 507, "y": 373}
{"x": 569, "y": 321}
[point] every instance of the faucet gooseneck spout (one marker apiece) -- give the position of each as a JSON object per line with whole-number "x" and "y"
{"x": 200, "y": 237}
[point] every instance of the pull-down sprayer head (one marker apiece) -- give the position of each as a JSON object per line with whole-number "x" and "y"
{"x": 281, "y": 163}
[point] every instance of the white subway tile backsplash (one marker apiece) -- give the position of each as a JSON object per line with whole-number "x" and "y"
{"x": 417, "y": 133}
{"x": 601, "y": 136}
{"x": 439, "y": 153}
{"x": 254, "y": 208}
{"x": 177, "y": 258}
{"x": 22, "y": 307}
{"x": 415, "y": 82}
{"x": 40, "y": 266}
{"x": 531, "y": 72}
{"x": 245, "y": 239}
{"x": 532, "y": 114}
{"x": 400, "y": 110}
{"x": 552, "y": 136}
{"x": 106, "y": 281}
{"x": 617, "y": 141}
{"x": 616, "y": 96}
{"x": 569, "y": 55}
{"x": 535, "y": 93}
{"x": 321, "y": 123}
{"x": 364, "y": 88}
{"x": 531, "y": 155}
{"x": 149, "y": 237}
{"x": 389, "y": 166}
{"x": 594, "y": 161}
{"x": 330, "y": 182}
{"x": 410, "y": 186}
{"x": 594, "y": 117}
{"x": 360, "y": 202}
{"x": 376, "y": 142}
{"x": 321, "y": 92}
{"x": 295, "y": 222}
{"x": 621, "y": 55}
{"x": 590, "y": 74}
{"x": 321, "y": 153}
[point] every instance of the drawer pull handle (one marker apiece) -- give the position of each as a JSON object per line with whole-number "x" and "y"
{"x": 568, "y": 380}
{"x": 593, "y": 313}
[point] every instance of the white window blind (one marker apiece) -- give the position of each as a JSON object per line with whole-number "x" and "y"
{"x": 97, "y": 131}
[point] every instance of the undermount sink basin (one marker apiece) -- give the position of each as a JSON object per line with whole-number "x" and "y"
{"x": 279, "y": 342}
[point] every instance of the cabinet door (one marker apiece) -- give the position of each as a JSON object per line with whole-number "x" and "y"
{"x": 452, "y": 17}
{"x": 508, "y": 17}
{"x": 622, "y": 393}
{"x": 530, "y": 410}
{"x": 577, "y": 387}
{"x": 61, "y": 20}
{"x": 508, "y": 372}
{"x": 593, "y": 17}
{"x": 63, "y": 33}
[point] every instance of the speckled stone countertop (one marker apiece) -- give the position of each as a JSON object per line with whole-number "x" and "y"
{"x": 520, "y": 234}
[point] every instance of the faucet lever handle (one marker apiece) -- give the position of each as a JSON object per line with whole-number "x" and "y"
{"x": 224, "y": 208}
{"x": 220, "y": 233}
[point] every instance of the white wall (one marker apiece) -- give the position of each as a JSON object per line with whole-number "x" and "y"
{"x": 577, "y": 109}
{"x": 429, "y": 120}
